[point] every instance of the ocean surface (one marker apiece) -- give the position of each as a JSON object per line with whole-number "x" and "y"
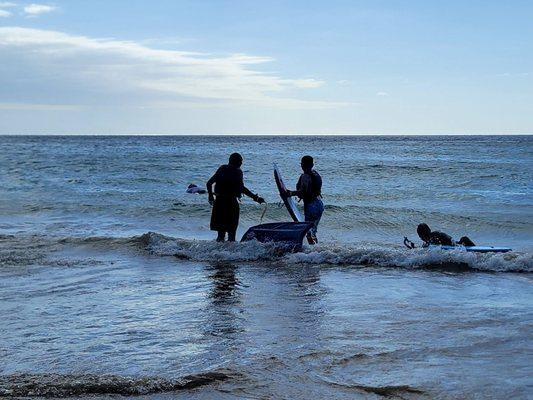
{"x": 111, "y": 282}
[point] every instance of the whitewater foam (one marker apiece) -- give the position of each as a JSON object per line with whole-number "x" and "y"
{"x": 334, "y": 254}
{"x": 43, "y": 250}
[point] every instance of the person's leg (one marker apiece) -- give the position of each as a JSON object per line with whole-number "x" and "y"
{"x": 309, "y": 217}
{"x": 465, "y": 241}
{"x": 232, "y": 215}
{"x": 217, "y": 219}
{"x": 313, "y": 213}
{"x": 319, "y": 212}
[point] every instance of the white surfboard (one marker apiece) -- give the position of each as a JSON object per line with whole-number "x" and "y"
{"x": 473, "y": 249}
{"x": 287, "y": 200}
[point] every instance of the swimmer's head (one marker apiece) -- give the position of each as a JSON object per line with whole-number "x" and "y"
{"x": 423, "y": 231}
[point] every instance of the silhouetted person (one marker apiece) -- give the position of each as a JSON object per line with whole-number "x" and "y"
{"x": 229, "y": 188}
{"x": 440, "y": 238}
{"x": 309, "y": 189}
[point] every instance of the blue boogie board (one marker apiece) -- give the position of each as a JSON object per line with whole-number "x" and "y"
{"x": 289, "y": 233}
{"x": 473, "y": 249}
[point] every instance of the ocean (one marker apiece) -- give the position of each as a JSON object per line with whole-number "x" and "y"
{"x": 111, "y": 281}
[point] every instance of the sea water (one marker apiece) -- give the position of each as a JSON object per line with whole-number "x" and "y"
{"x": 111, "y": 283}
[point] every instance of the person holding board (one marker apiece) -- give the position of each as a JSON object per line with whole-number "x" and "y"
{"x": 309, "y": 189}
{"x": 229, "y": 188}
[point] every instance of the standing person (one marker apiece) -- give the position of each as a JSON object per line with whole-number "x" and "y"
{"x": 229, "y": 187}
{"x": 309, "y": 189}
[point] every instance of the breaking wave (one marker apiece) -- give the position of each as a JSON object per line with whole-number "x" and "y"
{"x": 39, "y": 250}
{"x": 333, "y": 254}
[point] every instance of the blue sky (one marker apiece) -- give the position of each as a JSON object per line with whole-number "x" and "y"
{"x": 270, "y": 67}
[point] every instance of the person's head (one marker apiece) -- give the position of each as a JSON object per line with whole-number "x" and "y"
{"x": 235, "y": 160}
{"x": 307, "y": 163}
{"x": 423, "y": 231}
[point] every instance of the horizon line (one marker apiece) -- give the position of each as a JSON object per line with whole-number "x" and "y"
{"x": 267, "y": 134}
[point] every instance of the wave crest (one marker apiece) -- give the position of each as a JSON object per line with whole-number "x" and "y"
{"x": 333, "y": 254}
{"x": 210, "y": 250}
{"x": 42, "y": 250}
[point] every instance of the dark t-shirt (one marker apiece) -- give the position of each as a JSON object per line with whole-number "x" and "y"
{"x": 442, "y": 238}
{"x": 309, "y": 185}
{"x": 228, "y": 181}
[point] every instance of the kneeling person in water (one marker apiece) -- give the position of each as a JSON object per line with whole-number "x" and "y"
{"x": 309, "y": 189}
{"x": 229, "y": 188}
{"x": 439, "y": 238}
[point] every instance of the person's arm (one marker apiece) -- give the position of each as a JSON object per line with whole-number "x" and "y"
{"x": 248, "y": 192}
{"x": 209, "y": 185}
{"x": 254, "y": 197}
{"x": 302, "y": 187}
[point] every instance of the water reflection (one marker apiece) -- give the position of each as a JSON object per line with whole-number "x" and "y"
{"x": 223, "y": 322}
{"x": 224, "y": 291}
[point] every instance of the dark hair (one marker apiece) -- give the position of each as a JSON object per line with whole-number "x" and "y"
{"x": 423, "y": 231}
{"x": 307, "y": 161}
{"x": 235, "y": 159}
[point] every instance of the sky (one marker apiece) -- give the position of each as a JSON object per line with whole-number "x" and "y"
{"x": 266, "y": 67}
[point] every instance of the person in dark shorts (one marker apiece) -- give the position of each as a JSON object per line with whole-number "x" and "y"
{"x": 439, "y": 238}
{"x": 229, "y": 188}
{"x": 309, "y": 189}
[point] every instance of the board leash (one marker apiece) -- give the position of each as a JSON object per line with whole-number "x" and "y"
{"x": 263, "y": 213}
{"x": 408, "y": 243}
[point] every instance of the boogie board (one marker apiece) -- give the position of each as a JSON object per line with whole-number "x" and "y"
{"x": 289, "y": 233}
{"x": 289, "y": 201}
{"x": 474, "y": 249}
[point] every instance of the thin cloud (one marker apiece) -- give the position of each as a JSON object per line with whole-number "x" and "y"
{"x": 34, "y": 10}
{"x": 108, "y": 67}
{"x": 509, "y": 74}
{"x": 382, "y": 94}
{"x": 7, "y": 4}
{"x": 5, "y": 14}
{"x": 38, "y": 107}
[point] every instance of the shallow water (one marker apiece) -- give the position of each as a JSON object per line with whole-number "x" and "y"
{"x": 273, "y": 329}
{"x": 87, "y": 295}
{"x": 376, "y": 189}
